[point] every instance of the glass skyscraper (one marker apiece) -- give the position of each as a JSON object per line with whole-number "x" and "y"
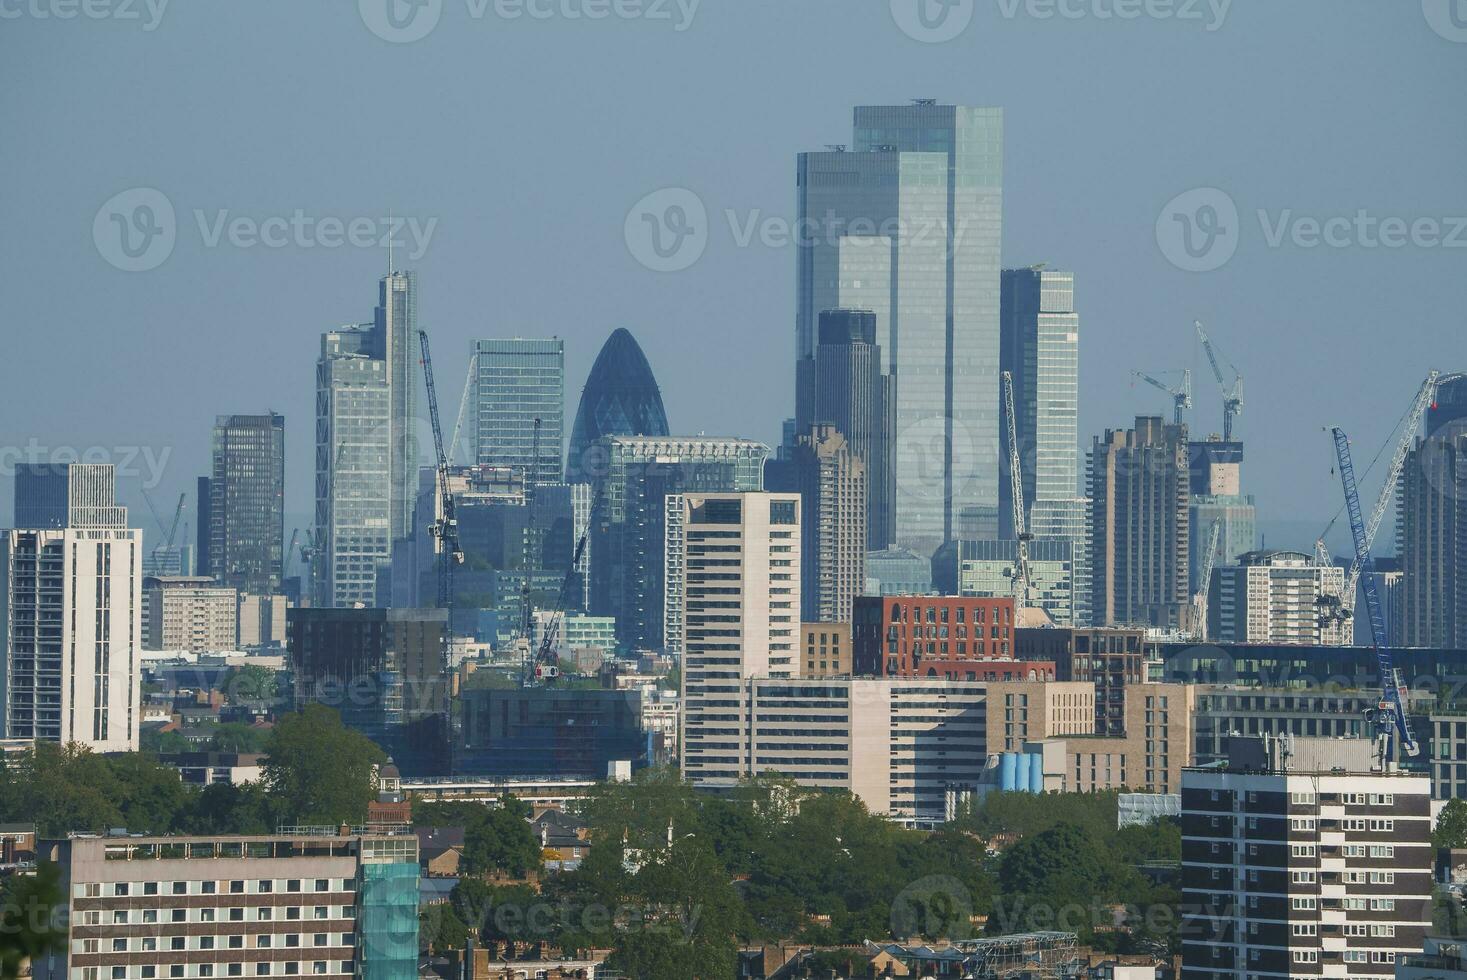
{"x": 247, "y": 502}
{"x": 516, "y": 382}
{"x": 908, "y": 224}
{"x": 395, "y": 341}
{"x": 621, "y": 398}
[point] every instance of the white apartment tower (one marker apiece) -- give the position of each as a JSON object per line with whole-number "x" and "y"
{"x": 71, "y": 622}
{"x": 1274, "y": 597}
{"x": 741, "y": 619}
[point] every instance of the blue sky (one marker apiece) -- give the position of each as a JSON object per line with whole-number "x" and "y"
{"x": 524, "y": 141}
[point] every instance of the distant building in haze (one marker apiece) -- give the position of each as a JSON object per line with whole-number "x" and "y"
{"x": 1431, "y": 525}
{"x": 621, "y": 398}
{"x": 247, "y": 503}
{"x": 517, "y": 382}
{"x": 54, "y": 495}
{"x": 831, "y": 481}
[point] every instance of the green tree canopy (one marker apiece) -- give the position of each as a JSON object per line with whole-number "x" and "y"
{"x": 318, "y": 770}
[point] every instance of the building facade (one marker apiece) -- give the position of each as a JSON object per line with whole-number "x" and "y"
{"x": 284, "y": 905}
{"x": 247, "y": 503}
{"x": 1275, "y": 597}
{"x": 546, "y": 731}
{"x": 831, "y": 482}
{"x": 1139, "y": 498}
{"x": 621, "y": 398}
{"x": 395, "y": 343}
{"x": 937, "y": 636}
{"x": 517, "y": 384}
{"x": 191, "y": 613}
{"x": 1431, "y": 525}
{"x": 825, "y": 649}
{"x": 741, "y": 618}
{"x": 908, "y": 225}
{"x": 53, "y": 495}
{"x": 988, "y": 569}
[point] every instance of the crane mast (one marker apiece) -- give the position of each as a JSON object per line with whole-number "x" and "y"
{"x": 1016, "y": 487}
{"x": 444, "y": 528}
{"x": 1232, "y": 397}
{"x": 1390, "y": 714}
{"x": 1205, "y": 582}
{"x": 1181, "y": 394}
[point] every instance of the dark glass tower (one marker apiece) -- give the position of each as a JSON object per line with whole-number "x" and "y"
{"x": 621, "y": 398}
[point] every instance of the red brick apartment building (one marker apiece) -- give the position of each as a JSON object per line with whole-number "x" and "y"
{"x": 940, "y": 636}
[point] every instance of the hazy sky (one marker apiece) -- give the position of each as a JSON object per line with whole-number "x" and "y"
{"x": 524, "y": 141}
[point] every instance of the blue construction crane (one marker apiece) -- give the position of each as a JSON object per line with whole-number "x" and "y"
{"x": 1390, "y": 713}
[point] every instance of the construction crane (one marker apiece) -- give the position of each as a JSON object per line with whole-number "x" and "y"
{"x": 542, "y": 670}
{"x": 1016, "y": 486}
{"x": 1425, "y": 396}
{"x": 1389, "y": 714}
{"x": 444, "y": 528}
{"x": 295, "y": 535}
{"x": 1181, "y": 394}
{"x": 545, "y": 666}
{"x": 1204, "y": 583}
{"x": 463, "y": 403}
{"x": 1232, "y": 396}
{"x": 170, "y": 531}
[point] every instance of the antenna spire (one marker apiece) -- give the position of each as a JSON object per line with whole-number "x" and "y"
{"x": 389, "y": 241}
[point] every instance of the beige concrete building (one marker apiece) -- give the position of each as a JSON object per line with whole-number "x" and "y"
{"x": 825, "y": 649}
{"x": 190, "y": 613}
{"x": 1057, "y": 720}
{"x": 261, "y": 620}
{"x": 1275, "y": 597}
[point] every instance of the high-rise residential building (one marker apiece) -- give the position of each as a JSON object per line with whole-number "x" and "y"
{"x": 518, "y": 383}
{"x": 628, "y": 553}
{"x": 384, "y": 671}
{"x": 842, "y": 384}
{"x": 1217, "y": 497}
{"x": 202, "y": 532}
{"x": 831, "y": 482}
{"x": 354, "y": 449}
{"x": 154, "y": 907}
{"x": 908, "y": 225}
{"x": 247, "y": 503}
{"x": 395, "y": 342}
{"x": 1139, "y": 496}
{"x": 71, "y": 622}
{"x": 52, "y": 495}
{"x": 621, "y": 398}
{"x": 742, "y": 619}
{"x": 1274, "y": 597}
{"x": 190, "y": 613}
{"x": 1431, "y": 525}
{"x": 1300, "y": 860}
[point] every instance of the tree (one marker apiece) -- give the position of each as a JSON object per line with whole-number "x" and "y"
{"x": 156, "y": 741}
{"x": 1451, "y": 826}
{"x": 150, "y": 795}
{"x": 32, "y": 919}
{"x": 496, "y": 839}
{"x": 236, "y": 736}
{"x": 441, "y": 929}
{"x": 227, "y": 808}
{"x": 318, "y": 770}
{"x": 249, "y": 684}
{"x": 60, "y": 789}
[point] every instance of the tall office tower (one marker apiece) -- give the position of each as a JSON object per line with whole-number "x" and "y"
{"x": 202, "y": 494}
{"x": 621, "y": 398}
{"x": 1299, "y": 860}
{"x": 831, "y": 481}
{"x": 517, "y": 382}
{"x": 1139, "y": 493}
{"x": 1431, "y": 525}
{"x": 52, "y": 495}
{"x": 628, "y": 554}
{"x": 742, "y": 610}
{"x": 354, "y": 505}
{"x": 395, "y": 342}
{"x": 71, "y": 622}
{"x": 842, "y": 384}
{"x": 908, "y": 226}
{"x": 1274, "y": 597}
{"x": 247, "y": 503}
{"x": 1217, "y": 496}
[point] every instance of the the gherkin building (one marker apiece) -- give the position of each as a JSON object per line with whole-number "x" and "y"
{"x": 620, "y": 399}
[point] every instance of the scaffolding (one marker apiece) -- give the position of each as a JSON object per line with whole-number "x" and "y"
{"x": 1048, "y": 955}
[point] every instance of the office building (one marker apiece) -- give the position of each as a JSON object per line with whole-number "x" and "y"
{"x": 1139, "y": 497}
{"x": 283, "y": 905}
{"x": 628, "y": 543}
{"x": 71, "y": 622}
{"x": 1111, "y": 660}
{"x": 517, "y": 384}
{"x": 247, "y": 503}
{"x": 261, "y": 621}
{"x": 548, "y": 731}
{"x": 354, "y": 448}
{"x": 939, "y": 636}
{"x": 395, "y": 343}
{"x": 621, "y": 398}
{"x": 908, "y": 225}
{"x": 55, "y": 495}
{"x": 204, "y": 530}
{"x": 1275, "y": 597}
{"x": 572, "y": 631}
{"x": 189, "y": 613}
{"x": 898, "y": 571}
{"x": 1217, "y": 498}
{"x": 384, "y": 671}
{"x": 825, "y": 649}
{"x": 988, "y": 569}
{"x": 831, "y": 482}
{"x": 1298, "y": 860}
{"x": 1431, "y": 525}
{"x": 842, "y": 384}
{"x": 741, "y": 616}
{"x": 1225, "y": 712}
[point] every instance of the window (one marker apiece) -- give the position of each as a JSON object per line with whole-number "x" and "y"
{"x": 119, "y": 945}
{"x": 180, "y": 888}
{"x": 176, "y": 970}
{"x": 206, "y": 969}
{"x": 320, "y": 912}
{"x": 293, "y": 885}
{"x": 1302, "y": 850}
{"x": 1382, "y": 850}
{"x": 319, "y": 939}
{"x": 319, "y": 966}
{"x": 293, "y": 940}
{"x": 206, "y": 942}
{"x": 150, "y": 888}
{"x": 236, "y": 915}
{"x": 262, "y": 942}
{"x": 119, "y": 917}
{"x": 1382, "y": 826}
{"x": 1302, "y": 877}
{"x": 150, "y": 944}
{"x": 323, "y": 884}
{"x": 235, "y": 970}
{"x": 178, "y": 915}
{"x": 1306, "y": 956}
{"x": 148, "y": 972}
{"x": 208, "y": 887}
{"x": 292, "y": 969}
{"x": 177, "y": 942}
{"x": 266, "y": 887}
{"x": 1304, "y": 929}
{"x": 120, "y": 888}
{"x": 262, "y": 969}
{"x": 150, "y": 915}
{"x": 293, "y": 912}
{"x": 236, "y": 942}
{"x": 1303, "y": 903}
{"x": 236, "y": 888}
{"x": 263, "y": 913}
{"x": 206, "y": 915}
